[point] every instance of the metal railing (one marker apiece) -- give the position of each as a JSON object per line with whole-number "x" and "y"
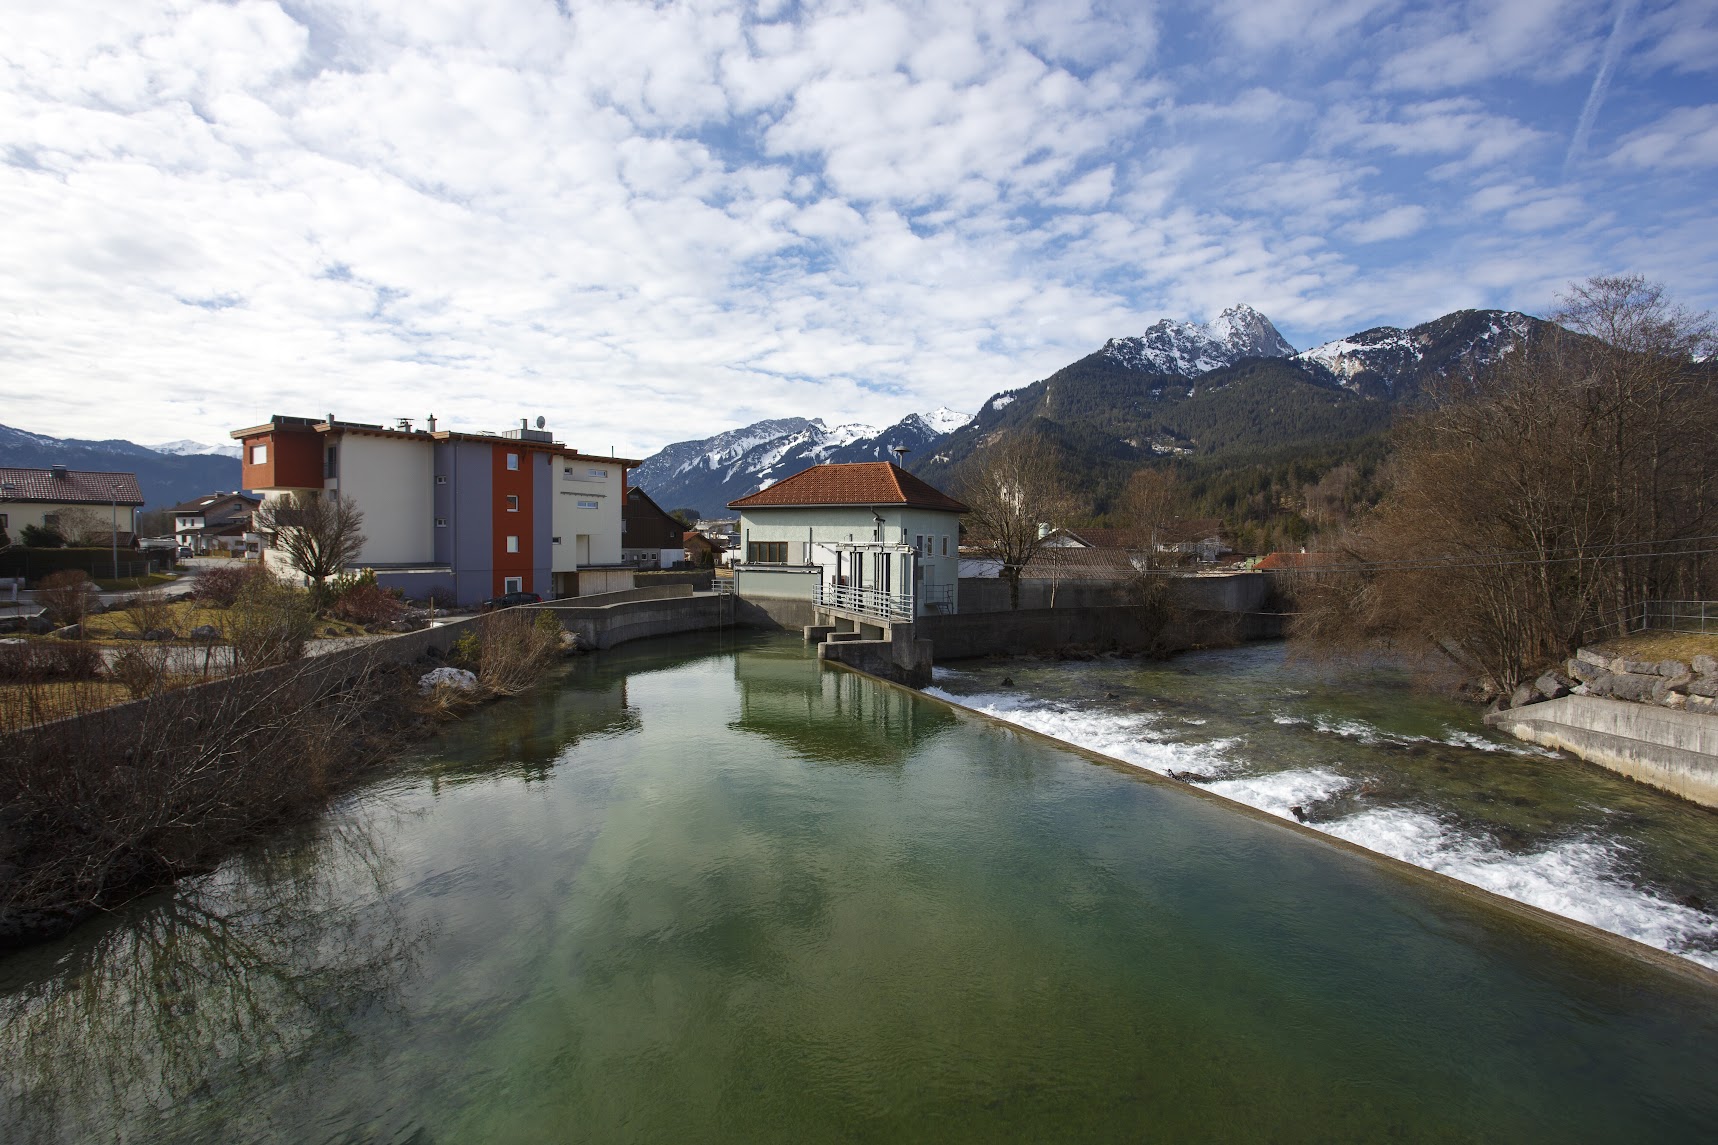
{"x": 937, "y": 597}
{"x": 1680, "y": 615}
{"x": 867, "y": 601}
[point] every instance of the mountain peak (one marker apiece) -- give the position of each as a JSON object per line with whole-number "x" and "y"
{"x": 1193, "y": 348}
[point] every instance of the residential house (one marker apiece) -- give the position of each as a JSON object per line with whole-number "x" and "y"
{"x": 869, "y": 537}
{"x": 216, "y": 522}
{"x": 453, "y": 516}
{"x": 700, "y": 551}
{"x": 1180, "y": 541}
{"x": 78, "y": 504}
{"x": 650, "y": 538}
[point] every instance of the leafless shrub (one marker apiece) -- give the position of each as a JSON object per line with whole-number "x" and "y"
{"x": 1014, "y": 490}
{"x": 41, "y": 661}
{"x": 368, "y": 604}
{"x": 149, "y": 611}
{"x": 221, "y": 586}
{"x": 514, "y": 648}
{"x": 104, "y": 806}
{"x": 67, "y": 596}
{"x": 269, "y": 624}
{"x": 143, "y": 670}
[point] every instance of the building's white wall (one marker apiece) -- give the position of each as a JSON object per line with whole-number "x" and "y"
{"x": 810, "y": 534}
{"x": 393, "y": 482}
{"x": 574, "y": 482}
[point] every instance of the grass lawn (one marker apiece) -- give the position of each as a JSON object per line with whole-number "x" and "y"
{"x": 135, "y": 583}
{"x": 183, "y": 616}
{"x": 22, "y": 705}
{"x": 1684, "y": 646}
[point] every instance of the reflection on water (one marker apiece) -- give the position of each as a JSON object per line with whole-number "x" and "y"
{"x": 252, "y": 971}
{"x": 708, "y": 890}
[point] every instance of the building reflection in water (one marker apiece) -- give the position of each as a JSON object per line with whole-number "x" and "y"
{"x": 829, "y": 714}
{"x": 199, "y": 994}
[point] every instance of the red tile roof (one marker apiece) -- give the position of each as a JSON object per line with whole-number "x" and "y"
{"x": 1291, "y": 561}
{"x": 70, "y": 487}
{"x": 860, "y": 483}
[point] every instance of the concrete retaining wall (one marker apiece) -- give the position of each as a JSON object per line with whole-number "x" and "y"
{"x": 1673, "y": 751}
{"x": 604, "y": 626}
{"x": 1215, "y": 592}
{"x": 1116, "y": 628}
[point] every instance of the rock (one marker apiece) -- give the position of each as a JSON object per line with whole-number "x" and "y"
{"x": 1585, "y": 670}
{"x": 330, "y": 630}
{"x": 1595, "y": 658}
{"x": 1668, "y": 685}
{"x": 1640, "y": 667}
{"x": 1630, "y": 686}
{"x": 1523, "y": 696}
{"x": 1551, "y": 687}
{"x": 70, "y": 632}
{"x": 11, "y": 623}
{"x": 205, "y": 632}
{"x": 1676, "y": 700}
{"x": 456, "y": 678}
{"x": 38, "y": 626}
{"x": 404, "y": 625}
{"x": 1705, "y": 665}
{"x": 1672, "y": 668}
{"x": 126, "y": 634}
{"x": 1580, "y": 690}
{"x": 1704, "y": 686}
{"x": 1600, "y": 685}
{"x": 1701, "y": 704}
{"x": 158, "y": 634}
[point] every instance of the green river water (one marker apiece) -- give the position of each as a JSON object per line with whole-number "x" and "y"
{"x": 706, "y": 890}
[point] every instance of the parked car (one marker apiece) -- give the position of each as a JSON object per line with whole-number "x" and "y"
{"x": 509, "y": 599}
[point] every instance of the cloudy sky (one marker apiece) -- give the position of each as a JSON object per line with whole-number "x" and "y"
{"x": 653, "y": 221}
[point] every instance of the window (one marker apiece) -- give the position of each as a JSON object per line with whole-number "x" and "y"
{"x": 331, "y": 463}
{"x": 554, "y": 540}
{"x": 589, "y": 505}
{"x": 512, "y": 584}
{"x": 441, "y": 522}
{"x": 919, "y": 543}
{"x": 512, "y": 544}
{"x": 4, "y": 521}
{"x": 766, "y": 552}
{"x": 512, "y": 461}
{"x": 623, "y": 526}
{"x": 512, "y": 502}
{"x": 597, "y": 474}
{"x": 50, "y": 520}
{"x": 259, "y": 455}
{"x": 441, "y": 479}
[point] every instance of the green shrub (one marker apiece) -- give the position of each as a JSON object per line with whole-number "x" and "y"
{"x": 269, "y": 624}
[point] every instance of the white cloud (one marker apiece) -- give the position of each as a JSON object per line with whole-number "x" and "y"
{"x": 1686, "y": 138}
{"x": 1395, "y": 223}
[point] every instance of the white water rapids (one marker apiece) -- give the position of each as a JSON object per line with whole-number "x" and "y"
{"x": 1578, "y": 878}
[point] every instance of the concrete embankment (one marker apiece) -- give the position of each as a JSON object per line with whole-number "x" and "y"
{"x": 1670, "y": 750}
{"x": 614, "y": 618}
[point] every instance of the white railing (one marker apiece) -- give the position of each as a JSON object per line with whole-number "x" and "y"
{"x": 866, "y": 601}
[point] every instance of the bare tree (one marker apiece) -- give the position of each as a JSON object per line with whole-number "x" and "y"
{"x": 1530, "y": 504}
{"x": 1016, "y": 496}
{"x": 1151, "y": 502}
{"x": 319, "y": 536}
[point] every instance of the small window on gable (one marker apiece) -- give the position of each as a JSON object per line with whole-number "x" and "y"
{"x": 259, "y": 455}
{"x": 597, "y": 474}
{"x": 589, "y": 505}
{"x": 512, "y": 502}
{"x": 512, "y": 461}
{"x": 512, "y": 544}
{"x": 441, "y": 479}
{"x": 441, "y": 522}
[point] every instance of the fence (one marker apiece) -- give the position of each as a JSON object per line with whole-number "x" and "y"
{"x": 1690, "y": 616}
{"x": 866, "y": 601}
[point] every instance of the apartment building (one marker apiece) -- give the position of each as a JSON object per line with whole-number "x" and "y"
{"x": 453, "y": 516}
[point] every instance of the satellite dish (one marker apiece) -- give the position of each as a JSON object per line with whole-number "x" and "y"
{"x": 540, "y": 422}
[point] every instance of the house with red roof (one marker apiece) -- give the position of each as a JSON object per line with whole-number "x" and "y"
{"x": 867, "y": 538}
{"x": 71, "y": 502}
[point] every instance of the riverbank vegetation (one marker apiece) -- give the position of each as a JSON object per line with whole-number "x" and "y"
{"x": 1534, "y": 507}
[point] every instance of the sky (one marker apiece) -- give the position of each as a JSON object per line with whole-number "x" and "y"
{"x": 649, "y": 222}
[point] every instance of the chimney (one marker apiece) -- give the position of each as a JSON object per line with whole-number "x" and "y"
{"x": 59, "y": 471}
{"x": 432, "y": 423}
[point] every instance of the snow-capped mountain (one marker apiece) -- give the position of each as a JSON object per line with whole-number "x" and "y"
{"x": 166, "y": 478}
{"x": 708, "y": 473}
{"x": 1193, "y": 348}
{"x": 1390, "y": 362}
{"x": 188, "y": 448}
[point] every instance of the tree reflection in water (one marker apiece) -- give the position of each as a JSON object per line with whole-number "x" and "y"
{"x": 226, "y": 986}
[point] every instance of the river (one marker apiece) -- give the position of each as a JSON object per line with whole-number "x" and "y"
{"x": 1370, "y": 759}
{"x": 703, "y": 889}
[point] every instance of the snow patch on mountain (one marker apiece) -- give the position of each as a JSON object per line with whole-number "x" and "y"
{"x": 945, "y": 420}
{"x": 1377, "y": 360}
{"x": 1193, "y": 348}
{"x": 188, "y": 448}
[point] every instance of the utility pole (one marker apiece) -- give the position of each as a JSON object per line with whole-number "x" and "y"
{"x": 115, "y": 491}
